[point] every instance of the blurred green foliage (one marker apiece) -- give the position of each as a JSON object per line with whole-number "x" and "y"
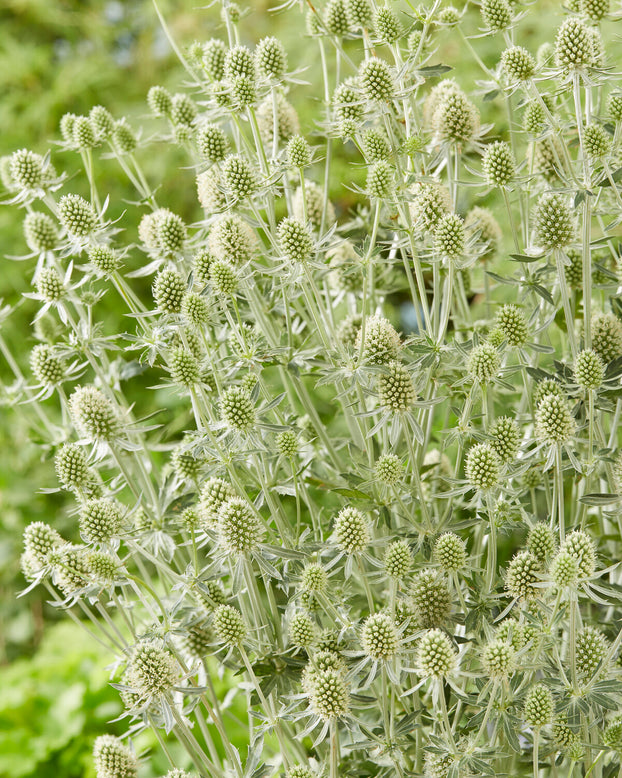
{"x": 53, "y": 705}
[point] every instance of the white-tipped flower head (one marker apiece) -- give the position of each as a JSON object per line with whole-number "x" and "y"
{"x": 387, "y": 25}
{"x": 541, "y": 541}
{"x": 271, "y": 57}
{"x": 376, "y": 79}
{"x": 49, "y": 285}
{"x": 505, "y": 435}
{"x": 511, "y": 321}
{"x": 498, "y": 658}
{"x": 521, "y": 576}
{"x": 382, "y": 342}
{"x": 554, "y": 420}
{"x": 579, "y": 544}
{"x": 375, "y": 146}
{"x": 27, "y": 169}
{"x": 596, "y": 141}
{"x": 101, "y": 121}
{"x": 484, "y": 363}
{"x": 455, "y": 118}
{"x": 40, "y": 231}
{"x": 93, "y": 413}
{"x": 239, "y": 528}
{"x": 46, "y": 367}
{"x": 169, "y": 289}
{"x": 299, "y": 771}
{"x": 72, "y": 467}
{"x": 614, "y": 106}
{"x": 104, "y": 259}
{"x": 498, "y": 163}
{"x": 450, "y": 552}
{"x": 395, "y": 388}
{"x": 232, "y": 239}
{"x": 100, "y": 520}
{"x": 314, "y": 578}
{"x": 497, "y": 14}
{"x": 482, "y": 466}
{"x": 379, "y": 638}
{"x": 295, "y": 240}
{"x": 40, "y": 540}
{"x": 380, "y": 183}
{"x": 84, "y": 133}
{"x": 554, "y": 222}
{"x": 239, "y": 178}
{"x": 336, "y": 17}
{"x": 229, "y": 625}
{"x": 564, "y": 570}
{"x": 589, "y": 369}
{"x": 113, "y": 759}
{"x": 517, "y": 63}
{"x": 159, "y": 101}
{"x": 431, "y": 599}
{"x": 77, "y": 215}
{"x": 573, "y": 44}
{"x": 430, "y": 204}
{"x": 298, "y": 151}
{"x": 359, "y": 13}
{"x": 183, "y": 110}
{"x": 236, "y": 409}
{"x": 436, "y": 656}
{"x": 152, "y": 671}
{"x": 398, "y": 559}
{"x": 212, "y": 143}
{"x": 591, "y": 649}
{"x": 352, "y": 531}
{"x": 539, "y": 707}
{"x": 449, "y": 236}
{"x": 389, "y": 469}
{"x": 184, "y": 367}
{"x": 171, "y": 232}
{"x": 607, "y": 336}
{"x": 302, "y": 631}
{"x": 329, "y": 695}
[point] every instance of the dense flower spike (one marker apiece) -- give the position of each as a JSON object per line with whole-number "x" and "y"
{"x": 352, "y": 530}
{"x": 436, "y": 655}
{"x": 113, "y": 759}
{"x": 94, "y": 414}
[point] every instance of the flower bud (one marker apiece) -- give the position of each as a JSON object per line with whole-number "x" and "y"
{"x": 606, "y": 336}
{"x": 398, "y": 559}
{"x": 554, "y": 420}
{"x": 351, "y": 530}
{"x": 431, "y": 599}
{"x": 505, "y": 436}
{"x": 436, "y": 655}
{"x": 395, "y": 388}
{"x": 499, "y": 164}
{"x": 376, "y": 80}
{"x": 93, "y": 413}
{"x": 450, "y": 552}
{"x": 539, "y": 707}
{"x": 484, "y": 363}
{"x": 521, "y": 575}
{"x": 77, "y": 215}
{"x": 113, "y": 759}
{"x": 229, "y": 625}
{"x": 239, "y": 528}
{"x": 589, "y": 370}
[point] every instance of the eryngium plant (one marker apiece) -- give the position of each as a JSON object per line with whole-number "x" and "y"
{"x": 402, "y": 539}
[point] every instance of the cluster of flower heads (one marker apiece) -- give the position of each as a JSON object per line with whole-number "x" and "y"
{"x": 398, "y": 531}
